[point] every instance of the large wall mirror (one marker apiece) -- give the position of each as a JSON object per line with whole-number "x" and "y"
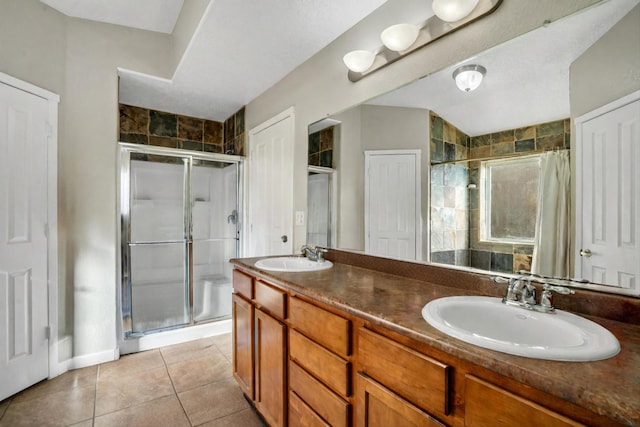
{"x": 496, "y": 167}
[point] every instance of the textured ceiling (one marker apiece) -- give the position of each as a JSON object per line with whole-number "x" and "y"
{"x": 153, "y": 15}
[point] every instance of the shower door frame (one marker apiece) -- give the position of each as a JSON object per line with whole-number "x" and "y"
{"x": 124, "y": 287}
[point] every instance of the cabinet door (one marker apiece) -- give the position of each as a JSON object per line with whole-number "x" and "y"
{"x": 378, "y": 406}
{"x": 271, "y": 386}
{"x": 243, "y": 344}
{"x": 487, "y": 405}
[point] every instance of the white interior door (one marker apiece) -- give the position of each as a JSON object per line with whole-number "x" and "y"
{"x": 392, "y": 203}
{"x": 23, "y": 240}
{"x": 270, "y": 193}
{"x": 608, "y": 215}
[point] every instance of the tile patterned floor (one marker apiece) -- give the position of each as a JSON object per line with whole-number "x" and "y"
{"x": 186, "y": 384}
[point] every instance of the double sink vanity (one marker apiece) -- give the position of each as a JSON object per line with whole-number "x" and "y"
{"x": 364, "y": 341}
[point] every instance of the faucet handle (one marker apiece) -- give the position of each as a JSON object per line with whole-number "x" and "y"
{"x": 559, "y": 289}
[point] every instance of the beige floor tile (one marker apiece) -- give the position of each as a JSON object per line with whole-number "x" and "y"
{"x": 3, "y": 406}
{"x": 132, "y": 364}
{"x": 87, "y": 423}
{"x": 224, "y": 343}
{"x": 65, "y": 407}
{"x": 213, "y": 401}
{"x": 116, "y": 392}
{"x": 165, "y": 411}
{"x": 85, "y": 377}
{"x": 244, "y": 418}
{"x": 188, "y": 351}
{"x": 194, "y": 373}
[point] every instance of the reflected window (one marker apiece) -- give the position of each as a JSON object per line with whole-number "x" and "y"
{"x": 509, "y": 199}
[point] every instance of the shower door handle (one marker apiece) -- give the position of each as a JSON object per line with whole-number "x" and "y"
{"x": 284, "y": 238}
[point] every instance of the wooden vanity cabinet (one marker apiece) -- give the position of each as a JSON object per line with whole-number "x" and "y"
{"x": 260, "y": 345}
{"x": 397, "y": 382}
{"x": 308, "y": 364}
{"x": 319, "y": 366}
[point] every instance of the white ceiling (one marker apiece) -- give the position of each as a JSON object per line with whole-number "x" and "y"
{"x": 527, "y": 79}
{"x": 153, "y": 15}
{"x": 239, "y": 50}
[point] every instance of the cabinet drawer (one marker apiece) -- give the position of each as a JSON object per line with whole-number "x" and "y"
{"x": 418, "y": 378}
{"x": 325, "y": 328}
{"x": 378, "y": 406}
{"x": 300, "y": 415}
{"x": 323, "y": 364}
{"x": 272, "y": 299}
{"x": 324, "y": 402}
{"x": 488, "y": 405}
{"x": 243, "y": 284}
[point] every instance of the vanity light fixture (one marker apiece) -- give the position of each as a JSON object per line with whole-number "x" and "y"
{"x": 469, "y": 77}
{"x": 453, "y": 10}
{"x": 359, "y": 61}
{"x": 402, "y": 39}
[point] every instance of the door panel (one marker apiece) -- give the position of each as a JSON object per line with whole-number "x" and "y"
{"x": 271, "y": 190}
{"x": 23, "y": 241}
{"x": 609, "y": 158}
{"x": 392, "y": 205}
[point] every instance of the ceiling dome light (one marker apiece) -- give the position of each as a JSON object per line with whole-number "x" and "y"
{"x": 359, "y": 61}
{"x": 453, "y": 10}
{"x": 399, "y": 37}
{"x": 469, "y": 77}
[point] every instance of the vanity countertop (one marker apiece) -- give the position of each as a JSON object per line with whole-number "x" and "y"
{"x": 609, "y": 387}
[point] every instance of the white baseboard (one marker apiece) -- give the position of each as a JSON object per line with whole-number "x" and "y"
{"x": 83, "y": 361}
{"x": 176, "y": 336}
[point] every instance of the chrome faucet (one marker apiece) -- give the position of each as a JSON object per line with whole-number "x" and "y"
{"x": 522, "y": 293}
{"x": 314, "y": 253}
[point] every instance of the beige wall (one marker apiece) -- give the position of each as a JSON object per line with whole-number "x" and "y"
{"x": 609, "y": 69}
{"x": 78, "y": 60}
{"x": 320, "y": 87}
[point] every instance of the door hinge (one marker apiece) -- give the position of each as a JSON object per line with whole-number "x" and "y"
{"x": 47, "y": 332}
{"x": 46, "y": 231}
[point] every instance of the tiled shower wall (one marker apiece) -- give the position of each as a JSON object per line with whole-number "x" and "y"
{"x": 321, "y": 147}
{"x": 151, "y": 127}
{"x": 450, "y": 194}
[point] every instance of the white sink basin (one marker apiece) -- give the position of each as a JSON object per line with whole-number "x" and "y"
{"x": 487, "y": 322}
{"x": 291, "y": 264}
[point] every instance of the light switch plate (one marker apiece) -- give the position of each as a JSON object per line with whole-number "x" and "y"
{"x": 299, "y": 217}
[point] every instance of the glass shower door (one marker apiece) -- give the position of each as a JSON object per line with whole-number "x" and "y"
{"x": 158, "y": 243}
{"x": 214, "y": 216}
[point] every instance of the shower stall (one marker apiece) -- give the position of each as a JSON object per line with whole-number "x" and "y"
{"x": 179, "y": 228}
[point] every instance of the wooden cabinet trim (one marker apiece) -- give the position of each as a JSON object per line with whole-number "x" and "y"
{"x": 301, "y": 415}
{"x": 390, "y": 409}
{"x": 398, "y": 366}
{"x": 328, "y": 329}
{"x": 243, "y": 350}
{"x": 331, "y": 407}
{"x": 243, "y": 284}
{"x": 270, "y": 299}
{"x": 271, "y": 368}
{"x": 332, "y": 370}
{"x": 506, "y": 408}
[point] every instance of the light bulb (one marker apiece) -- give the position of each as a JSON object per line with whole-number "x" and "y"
{"x": 399, "y": 37}
{"x": 453, "y": 10}
{"x": 359, "y": 61}
{"x": 469, "y": 77}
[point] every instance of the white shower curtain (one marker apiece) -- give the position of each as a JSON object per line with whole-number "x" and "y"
{"x": 553, "y": 228}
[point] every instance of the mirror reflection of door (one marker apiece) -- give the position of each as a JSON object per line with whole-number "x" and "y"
{"x": 392, "y": 203}
{"x": 608, "y": 216}
{"x": 320, "y": 205}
